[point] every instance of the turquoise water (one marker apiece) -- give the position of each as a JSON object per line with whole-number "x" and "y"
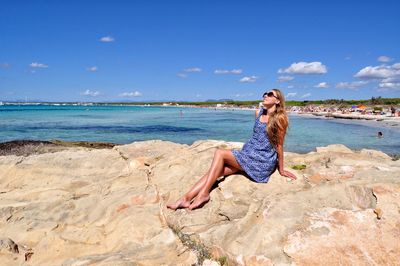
{"x": 125, "y": 124}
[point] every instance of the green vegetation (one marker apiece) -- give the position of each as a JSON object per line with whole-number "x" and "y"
{"x": 200, "y": 249}
{"x": 222, "y": 261}
{"x": 299, "y": 167}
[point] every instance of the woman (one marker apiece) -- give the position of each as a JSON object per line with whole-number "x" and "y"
{"x": 259, "y": 157}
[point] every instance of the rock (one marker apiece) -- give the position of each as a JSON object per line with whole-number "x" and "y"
{"x": 6, "y": 244}
{"x": 334, "y": 148}
{"x": 375, "y": 154}
{"x": 343, "y": 237}
{"x": 81, "y": 206}
{"x": 210, "y": 263}
{"x": 29, "y": 147}
{"x": 378, "y": 213}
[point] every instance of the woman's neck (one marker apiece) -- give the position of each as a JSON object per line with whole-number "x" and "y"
{"x": 271, "y": 110}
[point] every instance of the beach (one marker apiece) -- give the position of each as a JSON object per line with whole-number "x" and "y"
{"x": 81, "y": 204}
{"x": 370, "y": 120}
{"x": 387, "y": 119}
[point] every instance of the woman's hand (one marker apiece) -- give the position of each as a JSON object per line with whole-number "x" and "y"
{"x": 287, "y": 174}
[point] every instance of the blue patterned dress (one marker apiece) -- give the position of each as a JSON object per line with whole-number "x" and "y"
{"x": 258, "y": 157}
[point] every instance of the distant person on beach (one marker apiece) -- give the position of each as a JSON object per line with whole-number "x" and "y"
{"x": 393, "y": 110}
{"x": 260, "y": 156}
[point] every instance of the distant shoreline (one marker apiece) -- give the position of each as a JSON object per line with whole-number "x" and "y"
{"x": 385, "y": 120}
{"x": 390, "y": 124}
{"x": 394, "y": 120}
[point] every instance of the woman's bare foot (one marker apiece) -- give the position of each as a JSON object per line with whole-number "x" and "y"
{"x": 199, "y": 201}
{"x": 182, "y": 203}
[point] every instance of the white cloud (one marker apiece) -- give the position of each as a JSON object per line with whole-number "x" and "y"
{"x": 221, "y": 71}
{"x": 290, "y": 87}
{"x": 347, "y": 57}
{"x": 90, "y": 93}
{"x": 389, "y": 85}
{"x": 130, "y": 94}
{"x": 351, "y": 85}
{"x": 379, "y": 72}
{"x": 388, "y": 76}
{"x": 306, "y": 95}
{"x": 285, "y": 78}
{"x": 182, "y": 75}
{"x": 92, "y": 69}
{"x": 193, "y": 69}
{"x": 185, "y": 72}
{"x": 249, "y": 79}
{"x": 322, "y": 85}
{"x": 396, "y": 66}
{"x": 5, "y": 65}
{"x": 242, "y": 95}
{"x": 384, "y": 59}
{"x": 305, "y": 68}
{"x": 38, "y": 65}
{"x": 391, "y": 79}
{"x": 225, "y": 71}
{"x": 107, "y": 39}
{"x": 198, "y": 95}
{"x": 291, "y": 94}
{"x": 236, "y": 71}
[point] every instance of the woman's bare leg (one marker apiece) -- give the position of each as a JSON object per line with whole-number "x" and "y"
{"x": 192, "y": 193}
{"x": 222, "y": 158}
{"x": 184, "y": 202}
{"x": 186, "y": 199}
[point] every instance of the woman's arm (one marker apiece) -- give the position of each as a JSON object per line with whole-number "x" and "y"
{"x": 281, "y": 170}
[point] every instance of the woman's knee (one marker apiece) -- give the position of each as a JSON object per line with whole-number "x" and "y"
{"x": 218, "y": 152}
{"x": 221, "y": 152}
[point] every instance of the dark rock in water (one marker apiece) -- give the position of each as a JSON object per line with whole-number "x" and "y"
{"x": 24, "y": 147}
{"x": 28, "y": 147}
{"x": 86, "y": 144}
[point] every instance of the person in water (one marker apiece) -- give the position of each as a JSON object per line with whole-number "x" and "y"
{"x": 260, "y": 156}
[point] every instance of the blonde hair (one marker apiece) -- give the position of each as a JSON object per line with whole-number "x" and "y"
{"x": 278, "y": 122}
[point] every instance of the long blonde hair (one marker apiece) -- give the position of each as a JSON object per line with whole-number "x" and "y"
{"x": 278, "y": 122}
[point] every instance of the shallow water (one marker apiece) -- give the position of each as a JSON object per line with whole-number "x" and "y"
{"x": 125, "y": 124}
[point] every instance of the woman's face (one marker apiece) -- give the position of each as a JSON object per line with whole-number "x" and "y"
{"x": 270, "y": 98}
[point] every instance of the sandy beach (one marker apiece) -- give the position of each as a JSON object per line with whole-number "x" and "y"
{"x": 369, "y": 120}
{"x": 383, "y": 120}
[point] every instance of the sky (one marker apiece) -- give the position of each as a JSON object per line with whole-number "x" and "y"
{"x": 196, "y": 50}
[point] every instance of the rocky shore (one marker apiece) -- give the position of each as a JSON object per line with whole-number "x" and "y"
{"x": 81, "y": 205}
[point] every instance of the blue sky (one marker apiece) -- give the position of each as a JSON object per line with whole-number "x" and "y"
{"x": 198, "y": 50}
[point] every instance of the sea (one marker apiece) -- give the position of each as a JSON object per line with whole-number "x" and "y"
{"x": 126, "y": 124}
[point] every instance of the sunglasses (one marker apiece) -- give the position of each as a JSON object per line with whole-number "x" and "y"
{"x": 270, "y": 94}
